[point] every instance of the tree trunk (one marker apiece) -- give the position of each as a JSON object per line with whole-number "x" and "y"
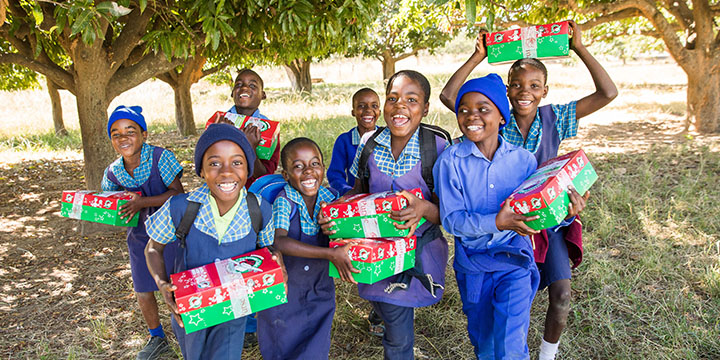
{"x": 703, "y": 96}
{"x": 56, "y": 108}
{"x": 388, "y": 64}
{"x": 184, "y": 117}
{"x": 298, "y": 72}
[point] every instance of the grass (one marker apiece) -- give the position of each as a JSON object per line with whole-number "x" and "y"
{"x": 648, "y": 287}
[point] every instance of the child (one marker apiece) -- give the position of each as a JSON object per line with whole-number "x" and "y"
{"x": 540, "y": 130}
{"x": 222, "y": 227}
{"x": 366, "y": 110}
{"x": 395, "y": 164}
{"x": 155, "y": 173}
{"x": 300, "y": 329}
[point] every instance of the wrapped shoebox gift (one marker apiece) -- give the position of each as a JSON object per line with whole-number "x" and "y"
{"x": 544, "y": 193}
{"x": 368, "y": 215}
{"x": 95, "y": 206}
{"x": 269, "y": 131}
{"x": 378, "y": 259}
{"x": 228, "y": 289}
{"x": 537, "y": 41}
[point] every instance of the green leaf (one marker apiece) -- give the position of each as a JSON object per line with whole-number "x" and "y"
{"x": 470, "y": 11}
{"x": 143, "y": 5}
{"x": 113, "y": 8}
{"x": 82, "y": 22}
{"x": 37, "y": 14}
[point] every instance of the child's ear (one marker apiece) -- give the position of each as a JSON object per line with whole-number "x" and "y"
{"x": 285, "y": 175}
{"x": 264, "y": 96}
{"x": 545, "y": 91}
{"x": 144, "y": 135}
{"x": 352, "y": 112}
{"x": 427, "y": 108}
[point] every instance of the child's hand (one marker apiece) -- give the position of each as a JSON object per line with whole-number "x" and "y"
{"x": 340, "y": 258}
{"x": 325, "y": 222}
{"x": 135, "y": 204}
{"x": 576, "y": 40}
{"x": 277, "y": 256}
{"x": 253, "y": 135}
{"x": 507, "y": 219}
{"x": 577, "y": 202}
{"x": 412, "y": 214}
{"x": 220, "y": 119}
{"x": 167, "y": 289}
{"x": 481, "y": 45}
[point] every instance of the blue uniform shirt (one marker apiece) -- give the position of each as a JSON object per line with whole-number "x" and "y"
{"x": 168, "y": 166}
{"x": 344, "y": 150}
{"x": 566, "y": 124}
{"x": 256, "y": 114}
{"x": 471, "y": 189}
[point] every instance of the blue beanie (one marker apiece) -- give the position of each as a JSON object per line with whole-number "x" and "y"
{"x": 493, "y": 88}
{"x": 220, "y": 132}
{"x": 127, "y": 112}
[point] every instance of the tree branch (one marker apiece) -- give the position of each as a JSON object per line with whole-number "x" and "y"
{"x": 703, "y": 23}
{"x": 129, "y": 38}
{"x": 214, "y": 69}
{"x": 128, "y": 77}
{"x": 57, "y": 74}
{"x": 616, "y": 16}
{"x": 407, "y": 55}
{"x": 681, "y": 12}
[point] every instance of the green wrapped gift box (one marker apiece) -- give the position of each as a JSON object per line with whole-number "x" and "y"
{"x": 378, "y": 259}
{"x": 538, "y": 41}
{"x": 94, "y": 206}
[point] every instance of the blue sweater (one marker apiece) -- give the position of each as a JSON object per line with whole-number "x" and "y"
{"x": 338, "y": 174}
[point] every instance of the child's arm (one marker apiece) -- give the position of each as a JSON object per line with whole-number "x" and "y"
{"x": 605, "y": 90}
{"x": 156, "y": 266}
{"x": 338, "y": 256}
{"x": 449, "y": 92}
{"x": 416, "y": 209}
{"x": 138, "y": 202}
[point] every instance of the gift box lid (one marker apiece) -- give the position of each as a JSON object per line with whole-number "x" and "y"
{"x": 548, "y": 182}
{"x": 368, "y": 204}
{"x": 216, "y": 282}
{"x": 536, "y": 31}
{"x": 268, "y": 128}
{"x": 372, "y": 250}
{"x": 97, "y": 199}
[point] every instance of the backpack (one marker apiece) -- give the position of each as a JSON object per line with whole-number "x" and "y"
{"x": 428, "y": 154}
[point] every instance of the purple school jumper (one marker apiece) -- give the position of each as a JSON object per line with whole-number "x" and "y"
{"x": 137, "y": 237}
{"x": 434, "y": 255}
{"x": 300, "y": 329}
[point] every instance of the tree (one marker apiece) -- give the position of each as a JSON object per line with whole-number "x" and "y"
{"x": 403, "y": 28}
{"x": 690, "y": 30}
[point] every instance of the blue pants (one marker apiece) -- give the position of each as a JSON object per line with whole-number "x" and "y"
{"x": 251, "y": 324}
{"x": 399, "y": 335}
{"x": 498, "y": 323}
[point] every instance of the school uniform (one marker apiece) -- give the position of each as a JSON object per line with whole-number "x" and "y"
{"x": 300, "y": 329}
{"x": 552, "y": 124}
{"x": 157, "y": 170}
{"x": 495, "y": 270}
{"x": 270, "y": 164}
{"x": 203, "y": 246}
{"x": 393, "y": 299}
{"x": 338, "y": 173}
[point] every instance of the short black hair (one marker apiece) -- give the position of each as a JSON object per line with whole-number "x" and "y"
{"x": 361, "y": 91}
{"x": 532, "y": 62}
{"x": 262, "y": 83}
{"x": 414, "y": 75}
{"x": 285, "y": 152}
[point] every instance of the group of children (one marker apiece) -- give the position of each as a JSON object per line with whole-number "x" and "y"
{"x": 464, "y": 182}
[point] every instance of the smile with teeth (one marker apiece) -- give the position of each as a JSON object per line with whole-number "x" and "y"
{"x": 228, "y": 186}
{"x": 368, "y": 119}
{"x": 310, "y": 183}
{"x": 475, "y": 127}
{"x": 244, "y": 95}
{"x": 400, "y": 120}
{"x": 524, "y": 102}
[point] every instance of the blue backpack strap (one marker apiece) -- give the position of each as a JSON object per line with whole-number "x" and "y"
{"x": 253, "y": 205}
{"x": 547, "y": 113}
{"x": 428, "y": 150}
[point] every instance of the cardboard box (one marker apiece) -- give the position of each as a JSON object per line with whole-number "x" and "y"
{"x": 367, "y": 215}
{"x": 378, "y": 259}
{"x": 544, "y": 193}
{"x": 228, "y": 289}
{"x": 94, "y": 206}
{"x": 538, "y": 41}
{"x": 269, "y": 131}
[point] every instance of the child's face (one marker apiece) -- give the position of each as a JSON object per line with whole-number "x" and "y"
{"x": 127, "y": 137}
{"x": 225, "y": 171}
{"x": 366, "y": 110}
{"x": 305, "y": 170}
{"x": 405, "y": 107}
{"x": 478, "y": 117}
{"x": 248, "y": 91}
{"x": 526, "y": 87}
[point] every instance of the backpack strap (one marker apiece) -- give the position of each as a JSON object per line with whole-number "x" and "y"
{"x": 253, "y": 204}
{"x": 363, "y": 172}
{"x": 428, "y": 150}
{"x": 187, "y": 220}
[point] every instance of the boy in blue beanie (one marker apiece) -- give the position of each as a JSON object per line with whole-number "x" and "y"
{"x": 222, "y": 228}
{"x": 155, "y": 173}
{"x": 494, "y": 267}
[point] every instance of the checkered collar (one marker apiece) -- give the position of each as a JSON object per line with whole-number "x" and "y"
{"x": 141, "y": 172}
{"x": 412, "y": 149}
{"x": 355, "y": 135}
{"x": 323, "y": 195}
{"x": 240, "y": 225}
{"x": 535, "y": 127}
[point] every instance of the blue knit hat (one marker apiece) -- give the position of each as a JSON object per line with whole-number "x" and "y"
{"x": 220, "y": 132}
{"x": 127, "y": 112}
{"x": 493, "y": 88}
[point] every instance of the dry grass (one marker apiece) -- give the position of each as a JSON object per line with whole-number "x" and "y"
{"x": 648, "y": 287}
